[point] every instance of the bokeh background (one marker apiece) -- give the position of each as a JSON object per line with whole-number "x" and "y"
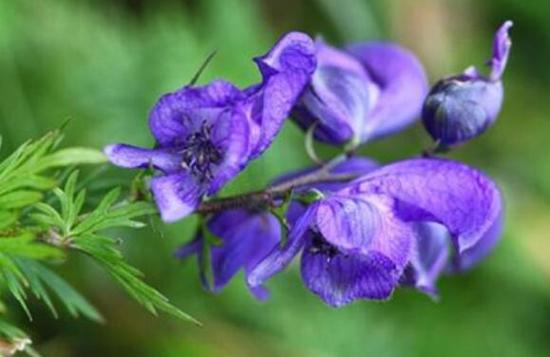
{"x": 104, "y": 63}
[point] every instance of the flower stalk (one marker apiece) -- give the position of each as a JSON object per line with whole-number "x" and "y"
{"x": 267, "y": 197}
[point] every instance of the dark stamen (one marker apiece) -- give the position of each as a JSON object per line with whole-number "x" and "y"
{"x": 320, "y": 246}
{"x": 199, "y": 153}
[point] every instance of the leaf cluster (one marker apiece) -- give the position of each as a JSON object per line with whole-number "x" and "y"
{"x": 41, "y": 223}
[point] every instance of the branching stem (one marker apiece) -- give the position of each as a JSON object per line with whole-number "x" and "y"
{"x": 268, "y": 196}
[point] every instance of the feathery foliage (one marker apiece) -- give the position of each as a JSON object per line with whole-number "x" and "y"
{"x": 41, "y": 223}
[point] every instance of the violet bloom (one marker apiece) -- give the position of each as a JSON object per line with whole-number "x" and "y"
{"x": 364, "y": 240}
{"x": 461, "y": 107}
{"x": 366, "y": 91}
{"x": 248, "y": 236}
{"x": 206, "y": 135}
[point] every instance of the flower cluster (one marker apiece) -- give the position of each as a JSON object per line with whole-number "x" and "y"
{"x": 362, "y": 228}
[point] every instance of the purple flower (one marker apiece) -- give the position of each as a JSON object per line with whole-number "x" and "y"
{"x": 367, "y": 91}
{"x": 431, "y": 258}
{"x": 207, "y": 134}
{"x": 461, "y": 107}
{"x": 363, "y": 240}
{"x": 248, "y": 236}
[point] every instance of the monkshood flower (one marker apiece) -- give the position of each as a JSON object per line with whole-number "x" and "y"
{"x": 248, "y": 236}
{"x": 461, "y": 107}
{"x": 363, "y": 92}
{"x": 206, "y": 135}
{"x": 362, "y": 241}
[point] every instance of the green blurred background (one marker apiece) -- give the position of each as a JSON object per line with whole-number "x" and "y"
{"x": 104, "y": 63}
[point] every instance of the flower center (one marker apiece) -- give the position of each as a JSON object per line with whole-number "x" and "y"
{"x": 199, "y": 153}
{"x": 320, "y": 246}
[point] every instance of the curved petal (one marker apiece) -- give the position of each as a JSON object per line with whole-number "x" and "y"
{"x": 133, "y": 157}
{"x": 338, "y": 98}
{"x": 191, "y": 248}
{"x": 348, "y": 223}
{"x": 471, "y": 256}
{"x": 171, "y": 119}
{"x": 365, "y": 224}
{"x": 246, "y": 239}
{"x": 501, "y": 50}
{"x": 464, "y": 200}
{"x": 279, "y": 257}
{"x": 431, "y": 258}
{"x": 402, "y": 82}
{"x": 176, "y": 195}
{"x": 231, "y": 134}
{"x": 286, "y": 70}
{"x": 342, "y": 279}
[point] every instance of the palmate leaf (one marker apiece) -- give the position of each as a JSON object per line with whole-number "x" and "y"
{"x": 46, "y": 231}
{"x": 79, "y": 231}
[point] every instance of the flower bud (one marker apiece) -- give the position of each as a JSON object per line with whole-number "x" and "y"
{"x": 460, "y": 108}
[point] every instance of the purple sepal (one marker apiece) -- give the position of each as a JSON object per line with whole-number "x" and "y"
{"x": 368, "y": 91}
{"x": 464, "y": 200}
{"x": 246, "y": 239}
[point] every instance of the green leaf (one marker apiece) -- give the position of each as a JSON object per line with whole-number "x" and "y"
{"x": 18, "y": 199}
{"x": 7, "y": 219}
{"x": 74, "y": 156}
{"x": 105, "y": 216}
{"x": 20, "y": 169}
{"x": 26, "y": 245}
{"x": 103, "y": 251}
{"x": 38, "y": 182}
{"x": 40, "y": 276}
{"x": 49, "y": 217}
{"x": 36, "y": 286}
{"x": 14, "y": 280}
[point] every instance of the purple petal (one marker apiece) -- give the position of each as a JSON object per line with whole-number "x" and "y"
{"x": 501, "y": 50}
{"x": 471, "y": 256}
{"x": 231, "y": 134}
{"x": 176, "y": 195}
{"x": 173, "y": 117}
{"x": 134, "y": 157}
{"x": 342, "y": 279}
{"x": 279, "y": 257}
{"x": 246, "y": 239}
{"x": 348, "y": 223}
{"x": 402, "y": 83}
{"x": 191, "y": 248}
{"x": 464, "y": 200}
{"x": 338, "y": 98}
{"x": 286, "y": 70}
{"x": 365, "y": 224}
{"x": 431, "y": 258}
